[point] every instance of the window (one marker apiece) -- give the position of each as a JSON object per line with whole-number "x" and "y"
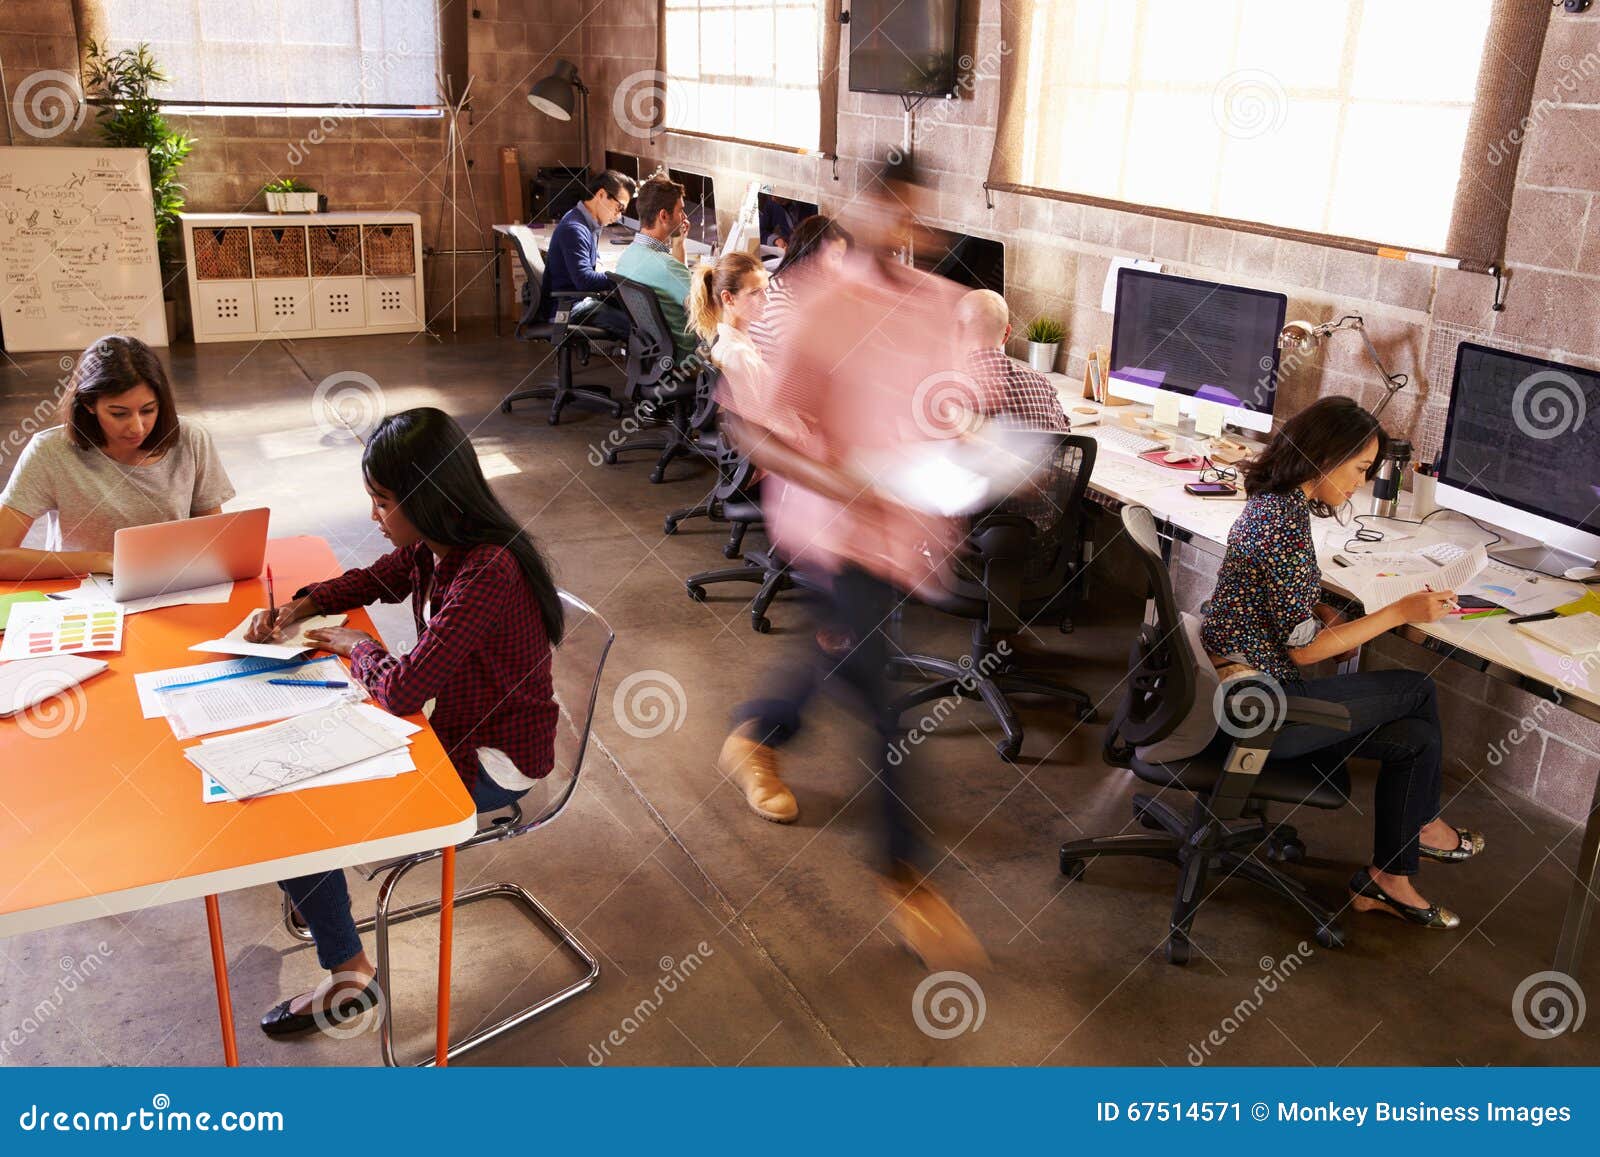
{"x": 1341, "y": 117}
{"x": 744, "y": 69}
{"x": 287, "y": 54}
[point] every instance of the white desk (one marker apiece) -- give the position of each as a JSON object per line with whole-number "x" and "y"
{"x": 1492, "y": 646}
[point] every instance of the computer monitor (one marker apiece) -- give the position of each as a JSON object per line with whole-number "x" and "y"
{"x": 700, "y": 202}
{"x": 779, "y": 215}
{"x": 629, "y": 166}
{"x": 1199, "y": 341}
{"x": 976, "y": 262}
{"x": 1521, "y": 441}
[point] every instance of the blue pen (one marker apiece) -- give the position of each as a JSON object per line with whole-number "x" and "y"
{"x": 305, "y": 683}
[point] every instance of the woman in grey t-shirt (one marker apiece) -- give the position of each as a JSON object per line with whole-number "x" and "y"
{"x": 121, "y": 457}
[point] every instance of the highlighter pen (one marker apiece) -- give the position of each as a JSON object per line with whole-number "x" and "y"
{"x": 305, "y": 683}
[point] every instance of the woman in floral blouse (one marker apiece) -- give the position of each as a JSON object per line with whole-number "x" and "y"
{"x": 1265, "y": 615}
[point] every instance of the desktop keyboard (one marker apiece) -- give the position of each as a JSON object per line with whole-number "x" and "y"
{"x": 1124, "y": 440}
{"x": 1443, "y": 553}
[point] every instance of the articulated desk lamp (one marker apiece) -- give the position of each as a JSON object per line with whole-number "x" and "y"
{"x": 1303, "y": 337}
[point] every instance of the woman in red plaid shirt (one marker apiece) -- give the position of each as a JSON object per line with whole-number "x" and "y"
{"x": 487, "y": 613}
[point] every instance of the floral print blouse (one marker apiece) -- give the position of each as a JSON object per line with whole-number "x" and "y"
{"x": 1268, "y": 587}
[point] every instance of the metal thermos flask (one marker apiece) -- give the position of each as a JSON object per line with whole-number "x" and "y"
{"x": 1386, "y": 482}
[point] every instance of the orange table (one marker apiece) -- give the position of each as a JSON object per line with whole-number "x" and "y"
{"x": 105, "y": 816}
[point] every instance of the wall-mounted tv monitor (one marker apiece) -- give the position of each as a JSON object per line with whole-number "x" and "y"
{"x": 976, "y": 262}
{"x": 904, "y": 47}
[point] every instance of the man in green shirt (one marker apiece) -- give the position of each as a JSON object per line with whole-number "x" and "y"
{"x": 656, "y": 256}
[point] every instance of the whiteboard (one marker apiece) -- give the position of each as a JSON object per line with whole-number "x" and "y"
{"x": 77, "y": 248}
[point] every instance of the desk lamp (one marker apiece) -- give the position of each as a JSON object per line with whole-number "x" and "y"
{"x": 1303, "y": 337}
{"x": 558, "y": 94}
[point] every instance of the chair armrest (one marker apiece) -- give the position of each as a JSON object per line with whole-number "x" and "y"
{"x": 574, "y": 294}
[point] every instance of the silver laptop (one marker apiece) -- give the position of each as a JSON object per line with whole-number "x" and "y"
{"x": 167, "y": 557}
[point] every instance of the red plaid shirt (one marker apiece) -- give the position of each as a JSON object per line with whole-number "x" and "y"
{"x": 482, "y": 654}
{"x": 1015, "y": 390}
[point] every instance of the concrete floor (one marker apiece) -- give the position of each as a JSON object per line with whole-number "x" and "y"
{"x": 659, "y": 863}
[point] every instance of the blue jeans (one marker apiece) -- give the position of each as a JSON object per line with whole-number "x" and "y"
{"x": 1394, "y": 717}
{"x": 323, "y": 898}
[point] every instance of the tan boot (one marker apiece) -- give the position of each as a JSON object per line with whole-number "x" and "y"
{"x": 754, "y": 767}
{"x": 929, "y": 927}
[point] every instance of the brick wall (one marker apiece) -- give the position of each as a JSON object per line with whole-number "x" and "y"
{"x": 360, "y": 162}
{"x": 1056, "y": 259}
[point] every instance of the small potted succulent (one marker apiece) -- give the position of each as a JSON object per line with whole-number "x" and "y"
{"x": 288, "y": 195}
{"x": 1044, "y": 336}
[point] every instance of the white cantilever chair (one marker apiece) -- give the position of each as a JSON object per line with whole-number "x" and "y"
{"x": 577, "y": 665}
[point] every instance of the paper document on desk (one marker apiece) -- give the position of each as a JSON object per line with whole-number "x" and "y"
{"x": 385, "y": 766}
{"x": 1377, "y": 584}
{"x": 287, "y": 645}
{"x": 149, "y": 683}
{"x": 266, "y": 758}
{"x": 97, "y": 588}
{"x": 29, "y": 682}
{"x": 248, "y": 700}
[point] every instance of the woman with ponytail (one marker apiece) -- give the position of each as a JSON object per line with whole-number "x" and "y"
{"x": 487, "y": 613}
{"x": 725, "y": 299}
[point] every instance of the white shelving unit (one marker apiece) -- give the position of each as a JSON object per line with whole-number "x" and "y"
{"x": 264, "y": 275}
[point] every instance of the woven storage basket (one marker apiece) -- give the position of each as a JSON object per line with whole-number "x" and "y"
{"x": 222, "y": 254}
{"x": 336, "y": 251}
{"x": 280, "y": 250}
{"x": 388, "y": 250}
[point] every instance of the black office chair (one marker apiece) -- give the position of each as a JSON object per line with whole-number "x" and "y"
{"x": 565, "y": 338}
{"x": 1020, "y": 566}
{"x": 658, "y": 390}
{"x": 732, "y": 498}
{"x": 1232, "y": 780}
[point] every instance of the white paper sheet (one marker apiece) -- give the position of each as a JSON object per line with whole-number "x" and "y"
{"x": 61, "y": 628}
{"x": 97, "y": 588}
{"x": 149, "y": 683}
{"x": 1377, "y": 589}
{"x": 251, "y": 699}
{"x": 385, "y": 766}
{"x": 1108, "y": 294}
{"x": 287, "y": 646}
{"x": 265, "y": 758}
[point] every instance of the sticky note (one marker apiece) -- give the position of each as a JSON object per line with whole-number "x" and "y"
{"x": 1166, "y": 408}
{"x": 1208, "y": 418}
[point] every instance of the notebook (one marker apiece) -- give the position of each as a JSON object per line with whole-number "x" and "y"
{"x": 1573, "y": 634}
{"x": 8, "y": 601}
{"x": 26, "y": 683}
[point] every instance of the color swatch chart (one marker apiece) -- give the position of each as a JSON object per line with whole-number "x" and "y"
{"x": 61, "y": 628}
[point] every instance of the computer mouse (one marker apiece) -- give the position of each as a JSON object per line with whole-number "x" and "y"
{"x": 622, "y": 241}
{"x": 1581, "y": 574}
{"x": 1175, "y": 456}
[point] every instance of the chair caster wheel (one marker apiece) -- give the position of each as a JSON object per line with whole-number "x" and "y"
{"x": 1286, "y": 852}
{"x": 1330, "y": 936}
{"x": 1177, "y": 948}
{"x": 554, "y": 419}
{"x": 505, "y": 407}
{"x": 616, "y": 409}
{"x": 1009, "y": 750}
{"x": 730, "y": 552}
{"x": 657, "y": 476}
{"x": 1086, "y": 713}
{"x": 696, "y": 592}
{"x": 609, "y": 458}
{"x": 670, "y": 526}
{"x": 761, "y": 624}
{"x": 1146, "y": 820}
{"x": 1073, "y": 869}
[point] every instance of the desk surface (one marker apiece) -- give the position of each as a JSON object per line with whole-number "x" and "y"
{"x": 1129, "y": 480}
{"x": 106, "y": 817}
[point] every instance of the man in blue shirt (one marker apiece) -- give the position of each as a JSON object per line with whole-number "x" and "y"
{"x": 573, "y": 260}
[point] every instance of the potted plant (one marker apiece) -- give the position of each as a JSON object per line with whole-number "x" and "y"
{"x": 119, "y": 85}
{"x": 287, "y": 195}
{"x": 1044, "y": 336}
